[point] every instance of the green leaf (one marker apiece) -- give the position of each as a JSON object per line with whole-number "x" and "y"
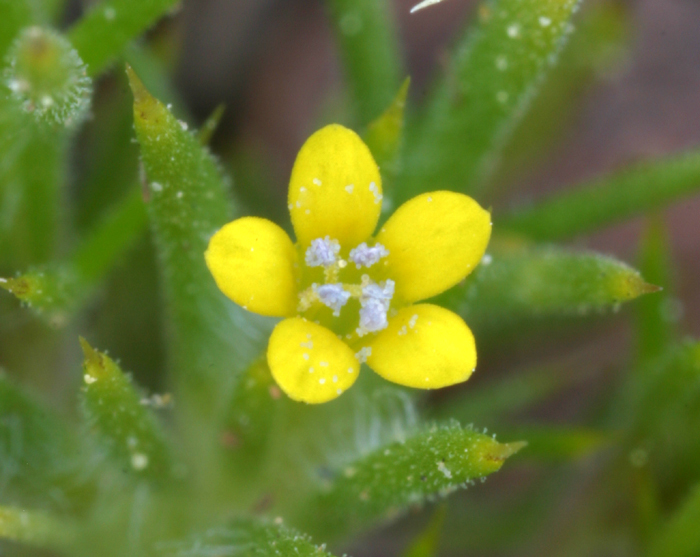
{"x": 494, "y": 74}
{"x": 367, "y": 38}
{"x": 123, "y": 425}
{"x": 156, "y": 77}
{"x": 246, "y": 537}
{"x": 596, "y": 49}
{"x": 512, "y": 287}
{"x": 211, "y": 340}
{"x": 48, "y": 293}
{"x": 643, "y": 187}
{"x": 188, "y": 203}
{"x": 107, "y": 27}
{"x": 383, "y": 483}
{"x": 680, "y": 537}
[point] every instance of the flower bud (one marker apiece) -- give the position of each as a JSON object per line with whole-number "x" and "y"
{"x": 47, "y": 77}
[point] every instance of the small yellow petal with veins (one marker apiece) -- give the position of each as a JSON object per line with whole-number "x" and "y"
{"x": 434, "y": 241}
{"x": 309, "y": 362}
{"x": 424, "y": 346}
{"x": 254, "y": 263}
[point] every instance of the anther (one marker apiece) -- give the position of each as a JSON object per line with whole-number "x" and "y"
{"x": 322, "y": 252}
{"x": 365, "y": 256}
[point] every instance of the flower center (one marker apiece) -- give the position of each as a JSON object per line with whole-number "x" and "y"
{"x": 371, "y": 297}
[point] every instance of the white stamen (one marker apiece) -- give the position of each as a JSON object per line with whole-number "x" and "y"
{"x": 374, "y": 302}
{"x": 322, "y": 252}
{"x": 365, "y": 256}
{"x": 332, "y": 296}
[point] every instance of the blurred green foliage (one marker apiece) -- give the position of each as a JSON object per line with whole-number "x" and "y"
{"x": 200, "y": 454}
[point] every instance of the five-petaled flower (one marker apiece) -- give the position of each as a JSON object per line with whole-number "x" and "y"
{"x": 349, "y": 297}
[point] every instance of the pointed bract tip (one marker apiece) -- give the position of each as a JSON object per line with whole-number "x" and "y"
{"x": 500, "y": 452}
{"x": 93, "y": 362}
{"x": 88, "y": 351}
{"x": 137, "y": 87}
{"x": 512, "y": 448}
{"x": 647, "y": 288}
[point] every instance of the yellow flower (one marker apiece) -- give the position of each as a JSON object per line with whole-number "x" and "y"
{"x": 349, "y": 297}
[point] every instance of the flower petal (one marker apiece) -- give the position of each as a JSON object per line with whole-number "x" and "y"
{"x": 309, "y": 362}
{"x": 335, "y": 189}
{"x": 434, "y": 241}
{"x": 424, "y": 346}
{"x": 254, "y": 263}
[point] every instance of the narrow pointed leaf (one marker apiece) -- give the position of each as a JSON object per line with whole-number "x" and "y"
{"x": 530, "y": 284}
{"x": 384, "y": 483}
{"x": 640, "y": 188}
{"x": 246, "y": 537}
{"x": 495, "y": 72}
{"x": 107, "y": 27}
{"x": 599, "y": 45}
{"x": 122, "y": 424}
{"x": 211, "y": 339}
{"x": 368, "y": 43}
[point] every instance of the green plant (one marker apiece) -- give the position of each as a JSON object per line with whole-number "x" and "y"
{"x": 222, "y": 462}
